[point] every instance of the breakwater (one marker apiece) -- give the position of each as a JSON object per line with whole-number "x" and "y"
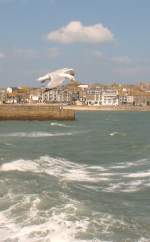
{"x": 35, "y": 112}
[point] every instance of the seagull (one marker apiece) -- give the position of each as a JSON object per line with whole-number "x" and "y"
{"x": 56, "y": 78}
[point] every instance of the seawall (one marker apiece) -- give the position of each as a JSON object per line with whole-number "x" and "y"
{"x": 34, "y": 112}
{"x": 127, "y": 108}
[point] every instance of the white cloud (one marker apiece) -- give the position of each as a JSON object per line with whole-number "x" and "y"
{"x": 76, "y": 32}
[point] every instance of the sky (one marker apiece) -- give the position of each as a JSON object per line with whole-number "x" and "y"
{"x": 105, "y": 41}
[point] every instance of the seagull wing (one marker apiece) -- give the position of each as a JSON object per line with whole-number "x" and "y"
{"x": 44, "y": 78}
{"x": 69, "y": 71}
{"x": 56, "y": 80}
{"x": 67, "y": 76}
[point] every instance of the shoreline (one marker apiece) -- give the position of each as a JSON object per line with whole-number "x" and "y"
{"x": 108, "y": 108}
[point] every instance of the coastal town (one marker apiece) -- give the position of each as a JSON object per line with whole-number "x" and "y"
{"x": 77, "y": 94}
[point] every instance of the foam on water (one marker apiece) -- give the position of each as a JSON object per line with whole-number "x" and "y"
{"x": 20, "y": 165}
{"x": 58, "y": 225}
{"x": 143, "y": 240}
{"x": 139, "y": 174}
{"x": 37, "y": 134}
{"x": 113, "y": 133}
{"x": 58, "y": 124}
{"x": 117, "y": 133}
{"x": 124, "y": 165}
{"x": 121, "y": 181}
{"x": 66, "y": 221}
{"x": 63, "y": 169}
{"x": 125, "y": 186}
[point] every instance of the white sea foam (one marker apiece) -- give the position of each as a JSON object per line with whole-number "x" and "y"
{"x": 8, "y": 144}
{"x": 144, "y": 239}
{"x": 124, "y": 165}
{"x": 113, "y": 133}
{"x": 56, "y": 229}
{"x": 117, "y": 133}
{"x": 26, "y": 221}
{"x": 58, "y": 224}
{"x": 37, "y": 134}
{"x": 138, "y": 174}
{"x": 68, "y": 171}
{"x": 63, "y": 169}
{"x": 58, "y": 124}
{"x": 130, "y": 186}
{"x": 20, "y": 165}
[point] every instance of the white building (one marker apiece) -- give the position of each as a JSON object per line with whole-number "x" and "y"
{"x": 2, "y": 95}
{"x": 110, "y": 97}
{"x": 94, "y": 96}
{"x": 99, "y": 96}
{"x": 126, "y": 99}
{"x": 35, "y": 95}
{"x": 56, "y": 96}
{"x": 9, "y": 90}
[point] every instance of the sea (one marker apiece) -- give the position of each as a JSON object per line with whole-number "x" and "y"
{"x": 86, "y": 180}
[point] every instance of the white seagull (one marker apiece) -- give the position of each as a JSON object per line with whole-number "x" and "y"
{"x": 56, "y": 78}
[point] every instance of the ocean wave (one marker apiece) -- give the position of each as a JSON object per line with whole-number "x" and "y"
{"x": 126, "y": 186}
{"x": 58, "y": 124}
{"x": 57, "y": 224}
{"x": 117, "y": 133}
{"x": 61, "y": 168}
{"x": 20, "y": 165}
{"x": 37, "y": 134}
{"x": 65, "y": 170}
{"x": 127, "y": 164}
{"x": 26, "y": 221}
{"x": 25, "y": 218}
{"x": 138, "y": 174}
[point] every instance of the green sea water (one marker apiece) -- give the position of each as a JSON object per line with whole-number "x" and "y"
{"x": 81, "y": 181}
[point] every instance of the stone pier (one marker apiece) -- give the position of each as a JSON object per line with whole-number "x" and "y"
{"x": 35, "y": 112}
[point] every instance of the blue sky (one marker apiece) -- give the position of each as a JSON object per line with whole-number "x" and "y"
{"x": 103, "y": 40}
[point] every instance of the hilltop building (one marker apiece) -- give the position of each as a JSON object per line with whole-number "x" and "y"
{"x": 80, "y": 94}
{"x": 2, "y": 95}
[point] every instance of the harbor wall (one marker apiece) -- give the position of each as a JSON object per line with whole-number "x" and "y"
{"x": 34, "y": 112}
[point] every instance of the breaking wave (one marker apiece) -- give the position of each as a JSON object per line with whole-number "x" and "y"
{"x": 58, "y": 124}
{"x": 54, "y": 225}
{"x": 117, "y": 133}
{"x": 59, "y": 223}
{"x": 113, "y": 178}
{"x": 35, "y": 134}
{"x": 61, "y": 168}
{"x": 29, "y": 217}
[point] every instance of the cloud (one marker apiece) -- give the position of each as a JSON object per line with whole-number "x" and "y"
{"x": 75, "y": 32}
